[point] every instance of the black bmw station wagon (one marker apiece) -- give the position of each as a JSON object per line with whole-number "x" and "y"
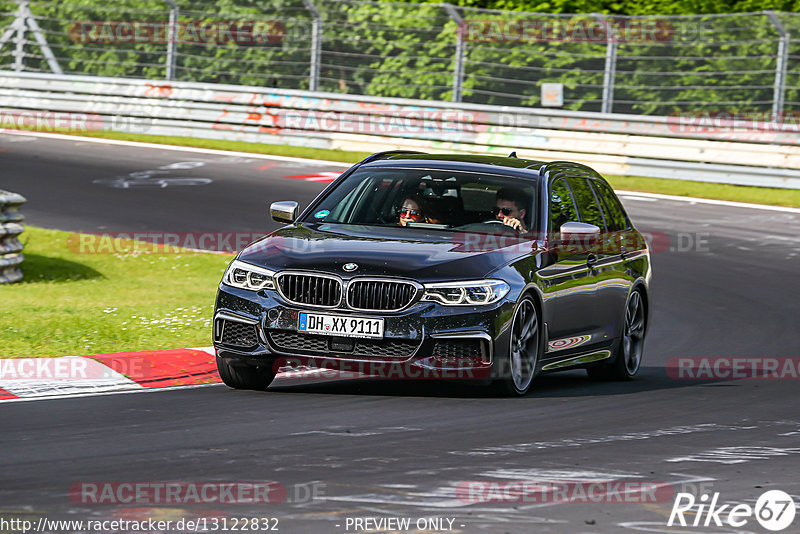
{"x": 413, "y": 265}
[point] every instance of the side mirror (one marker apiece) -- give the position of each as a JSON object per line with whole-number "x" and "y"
{"x": 283, "y": 212}
{"x": 579, "y": 230}
{"x": 577, "y": 237}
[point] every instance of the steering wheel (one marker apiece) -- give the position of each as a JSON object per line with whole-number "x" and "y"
{"x": 492, "y": 225}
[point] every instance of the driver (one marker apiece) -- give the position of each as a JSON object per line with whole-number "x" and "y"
{"x": 510, "y": 208}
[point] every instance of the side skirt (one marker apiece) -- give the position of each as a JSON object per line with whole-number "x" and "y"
{"x": 580, "y": 359}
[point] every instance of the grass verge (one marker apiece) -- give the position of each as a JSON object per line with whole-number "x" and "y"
{"x": 74, "y": 304}
{"x": 238, "y": 146}
{"x": 736, "y": 193}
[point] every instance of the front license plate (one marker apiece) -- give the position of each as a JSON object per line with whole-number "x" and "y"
{"x": 340, "y": 325}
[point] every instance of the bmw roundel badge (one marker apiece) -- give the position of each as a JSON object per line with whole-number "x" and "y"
{"x": 350, "y": 267}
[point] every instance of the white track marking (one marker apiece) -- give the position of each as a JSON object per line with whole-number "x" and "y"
{"x": 68, "y": 376}
{"x": 341, "y": 431}
{"x": 562, "y": 444}
{"x": 639, "y": 199}
{"x": 208, "y": 350}
{"x": 118, "y": 142}
{"x": 121, "y": 392}
{"x": 558, "y": 475}
{"x": 736, "y": 455}
{"x": 695, "y": 200}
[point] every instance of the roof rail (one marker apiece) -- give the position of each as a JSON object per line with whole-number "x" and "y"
{"x": 386, "y": 154}
{"x": 568, "y": 165}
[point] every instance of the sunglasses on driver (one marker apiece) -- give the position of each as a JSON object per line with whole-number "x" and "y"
{"x": 505, "y": 211}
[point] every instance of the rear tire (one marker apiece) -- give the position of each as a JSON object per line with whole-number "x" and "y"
{"x": 244, "y": 376}
{"x": 629, "y": 348}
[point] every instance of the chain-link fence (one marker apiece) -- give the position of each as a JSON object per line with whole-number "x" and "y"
{"x": 745, "y": 63}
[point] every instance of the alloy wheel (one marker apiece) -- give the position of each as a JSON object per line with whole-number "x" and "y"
{"x": 524, "y": 345}
{"x": 633, "y": 336}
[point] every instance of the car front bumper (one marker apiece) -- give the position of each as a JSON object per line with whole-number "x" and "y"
{"x": 427, "y": 340}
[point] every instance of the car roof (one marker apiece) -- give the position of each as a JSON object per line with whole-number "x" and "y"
{"x": 512, "y": 166}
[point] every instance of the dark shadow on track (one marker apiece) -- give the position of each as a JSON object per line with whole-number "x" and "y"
{"x": 557, "y": 385}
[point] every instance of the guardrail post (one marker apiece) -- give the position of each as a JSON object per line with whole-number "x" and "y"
{"x": 461, "y": 46}
{"x": 781, "y": 63}
{"x": 172, "y": 39}
{"x": 316, "y": 45}
{"x": 610, "y": 69}
{"x": 10, "y": 246}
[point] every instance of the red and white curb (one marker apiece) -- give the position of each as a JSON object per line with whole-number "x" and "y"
{"x": 322, "y": 177}
{"x": 26, "y": 378}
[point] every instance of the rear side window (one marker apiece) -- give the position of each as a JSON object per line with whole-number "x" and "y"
{"x": 587, "y": 202}
{"x": 615, "y": 214}
{"x": 562, "y": 205}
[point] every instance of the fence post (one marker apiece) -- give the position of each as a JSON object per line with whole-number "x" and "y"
{"x": 19, "y": 39}
{"x": 172, "y": 39}
{"x": 10, "y": 31}
{"x": 781, "y": 63}
{"x": 610, "y": 69}
{"x": 38, "y": 34}
{"x": 461, "y": 45}
{"x": 23, "y": 18}
{"x": 316, "y": 45}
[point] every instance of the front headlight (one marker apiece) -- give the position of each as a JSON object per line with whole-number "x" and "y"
{"x": 245, "y": 276}
{"x": 470, "y": 293}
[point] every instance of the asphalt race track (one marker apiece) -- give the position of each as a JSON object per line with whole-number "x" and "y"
{"x": 725, "y": 285}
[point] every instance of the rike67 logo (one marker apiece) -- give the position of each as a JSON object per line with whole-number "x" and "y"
{"x": 774, "y": 510}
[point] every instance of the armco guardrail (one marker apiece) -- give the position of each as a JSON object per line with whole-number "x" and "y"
{"x": 10, "y": 246}
{"x": 684, "y": 147}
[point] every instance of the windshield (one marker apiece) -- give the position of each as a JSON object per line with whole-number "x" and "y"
{"x": 436, "y": 200}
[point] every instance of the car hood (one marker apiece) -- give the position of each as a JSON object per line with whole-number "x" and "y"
{"x": 385, "y": 251}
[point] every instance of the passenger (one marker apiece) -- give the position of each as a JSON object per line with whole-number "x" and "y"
{"x": 411, "y": 210}
{"x": 510, "y": 208}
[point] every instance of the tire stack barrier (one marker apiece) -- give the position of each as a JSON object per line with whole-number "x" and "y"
{"x": 10, "y": 228}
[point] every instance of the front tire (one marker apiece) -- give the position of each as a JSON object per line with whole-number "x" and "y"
{"x": 244, "y": 376}
{"x": 629, "y": 349}
{"x": 525, "y": 346}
